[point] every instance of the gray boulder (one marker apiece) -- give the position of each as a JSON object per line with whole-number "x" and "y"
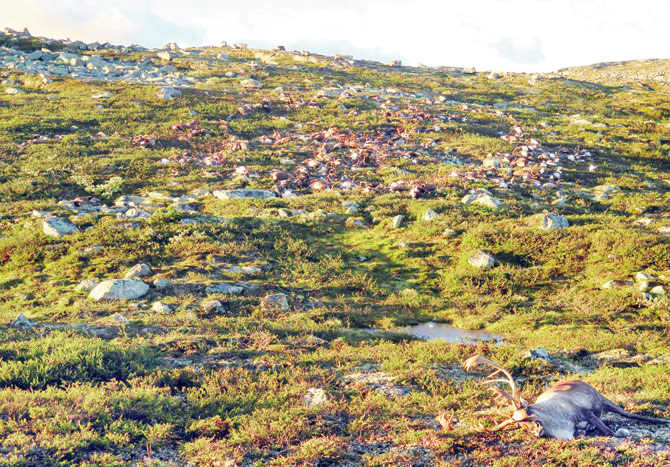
{"x": 57, "y": 227}
{"x": 21, "y": 322}
{"x": 276, "y": 301}
{"x": 482, "y": 260}
{"x": 222, "y": 287}
{"x": 139, "y": 270}
{"x": 240, "y": 194}
{"x": 554, "y": 222}
{"x": 87, "y": 285}
{"x": 119, "y": 289}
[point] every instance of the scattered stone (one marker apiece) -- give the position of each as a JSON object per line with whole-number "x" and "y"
{"x": 642, "y": 277}
{"x": 243, "y": 270}
{"x": 162, "y": 284}
{"x": 622, "y": 433}
{"x": 21, "y": 322}
{"x": 276, "y": 301}
{"x": 396, "y": 221}
{"x": 57, "y": 227}
{"x": 168, "y": 93}
{"x": 657, "y": 291}
{"x": 429, "y": 215}
{"x": 540, "y": 353}
{"x": 159, "y": 307}
{"x": 102, "y": 95}
{"x": 315, "y": 397}
{"x": 213, "y": 306}
{"x": 119, "y": 318}
{"x": 224, "y": 288}
{"x": 483, "y": 199}
{"x": 554, "y": 222}
{"x": 139, "y": 270}
{"x": 240, "y": 194}
{"x": 644, "y": 286}
{"x": 482, "y": 260}
{"x": 119, "y": 289}
{"x": 87, "y": 285}
{"x": 448, "y": 232}
{"x": 165, "y": 55}
{"x": 250, "y": 83}
{"x": 13, "y": 91}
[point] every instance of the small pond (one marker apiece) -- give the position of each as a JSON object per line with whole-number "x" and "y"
{"x": 441, "y": 331}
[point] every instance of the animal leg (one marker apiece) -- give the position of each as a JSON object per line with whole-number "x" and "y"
{"x": 599, "y": 424}
{"x": 610, "y": 406}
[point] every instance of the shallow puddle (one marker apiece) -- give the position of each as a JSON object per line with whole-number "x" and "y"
{"x": 440, "y": 331}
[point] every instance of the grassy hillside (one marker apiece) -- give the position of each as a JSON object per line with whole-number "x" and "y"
{"x": 213, "y": 366}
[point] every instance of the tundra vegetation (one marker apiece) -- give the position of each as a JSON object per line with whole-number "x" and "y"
{"x": 251, "y": 346}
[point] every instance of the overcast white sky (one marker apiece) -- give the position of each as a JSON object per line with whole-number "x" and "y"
{"x": 503, "y": 35}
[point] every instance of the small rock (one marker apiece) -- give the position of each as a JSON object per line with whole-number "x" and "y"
{"x": 622, "y": 433}
{"x": 448, "y": 232}
{"x": 168, "y": 93}
{"x": 119, "y": 289}
{"x": 540, "y": 353}
{"x": 212, "y": 306}
{"x": 657, "y": 291}
{"x": 641, "y": 277}
{"x": 243, "y": 270}
{"x": 102, "y": 95}
{"x": 162, "y": 284}
{"x": 483, "y": 199}
{"x": 554, "y": 222}
{"x": 159, "y": 307}
{"x": 250, "y": 83}
{"x": 240, "y": 194}
{"x": 644, "y": 286}
{"x": 119, "y": 318}
{"x": 13, "y": 91}
{"x": 315, "y": 397}
{"x": 429, "y": 215}
{"x": 165, "y": 55}
{"x": 482, "y": 260}
{"x": 139, "y": 270}
{"x": 21, "y": 322}
{"x": 396, "y": 221}
{"x": 87, "y": 285}
{"x": 57, "y": 227}
{"x": 276, "y": 301}
{"x": 224, "y": 288}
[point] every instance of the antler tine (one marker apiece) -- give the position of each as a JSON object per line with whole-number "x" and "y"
{"x": 501, "y": 425}
{"x": 476, "y": 360}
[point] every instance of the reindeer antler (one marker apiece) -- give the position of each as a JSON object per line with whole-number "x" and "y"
{"x": 477, "y": 360}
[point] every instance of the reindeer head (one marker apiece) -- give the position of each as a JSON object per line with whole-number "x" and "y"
{"x": 522, "y": 415}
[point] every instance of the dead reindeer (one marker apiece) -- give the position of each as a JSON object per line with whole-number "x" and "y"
{"x": 560, "y": 410}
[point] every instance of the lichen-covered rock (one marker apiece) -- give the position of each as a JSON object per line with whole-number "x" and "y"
{"x": 119, "y": 289}
{"x": 87, "y": 285}
{"x": 429, "y": 215}
{"x": 241, "y": 194}
{"x": 139, "y": 270}
{"x": 483, "y": 199}
{"x": 482, "y": 260}
{"x": 21, "y": 322}
{"x": 554, "y": 222}
{"x": 276, "y": 301}
{"x": 57, "y": 227}
{"x": 224, "y": 288}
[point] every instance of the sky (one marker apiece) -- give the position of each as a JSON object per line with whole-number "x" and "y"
{"x": 497, "y": 35}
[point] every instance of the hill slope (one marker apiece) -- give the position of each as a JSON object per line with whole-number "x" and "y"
{"x": 272, "y": 218}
